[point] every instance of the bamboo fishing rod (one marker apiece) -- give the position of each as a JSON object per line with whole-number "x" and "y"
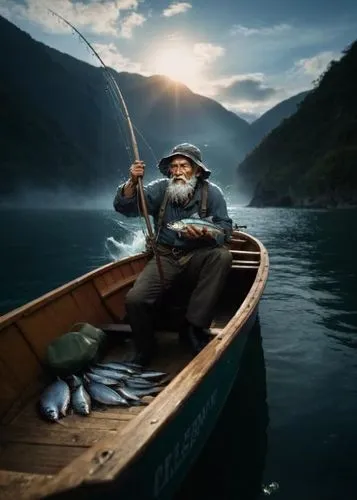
{"x": 133, "y": 143}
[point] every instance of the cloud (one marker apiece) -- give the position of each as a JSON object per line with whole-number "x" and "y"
{"x": 6, "y": 9}
{"x": 100, "y": 17}
{"x": 276, "y": 29}
{"x": 317, "y": 64}
{"x": 275, "y": 41}
{"x": 176, "y": 8}
{"x": 248, "y": 94}
{"x": 283, "y": 85}
{"x": 206, "y": 53}
{"x": 244, "y": 88}
{"x": 129, "y": 23}
{"x": 114, "y": 59}
{"x": 249, "y": 110}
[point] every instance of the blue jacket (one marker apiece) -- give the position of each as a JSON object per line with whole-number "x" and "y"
{"x": 155, "y": 192}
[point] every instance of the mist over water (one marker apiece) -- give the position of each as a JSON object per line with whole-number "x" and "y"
{"x": 61, "y": 198}
{"x": 64, "y": 198}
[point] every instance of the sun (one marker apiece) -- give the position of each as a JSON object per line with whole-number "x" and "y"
{"x": 178, "y": 63}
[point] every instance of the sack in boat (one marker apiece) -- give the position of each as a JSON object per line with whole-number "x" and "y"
{"x": 76, "y": 350}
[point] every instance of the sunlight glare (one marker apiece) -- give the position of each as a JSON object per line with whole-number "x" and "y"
{"x": 178, "y": 64}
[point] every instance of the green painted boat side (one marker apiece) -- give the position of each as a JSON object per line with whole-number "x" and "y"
{"x": 159, "y": 471}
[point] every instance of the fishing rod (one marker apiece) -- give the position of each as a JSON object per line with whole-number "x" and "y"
{"x": 134, "y": 145}
{"x": 117, "y": 108}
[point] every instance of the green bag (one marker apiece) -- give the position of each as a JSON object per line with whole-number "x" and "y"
{"x": 74, "y": 351}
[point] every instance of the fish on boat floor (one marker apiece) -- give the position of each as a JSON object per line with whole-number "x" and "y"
{"x": 30, "y": 445}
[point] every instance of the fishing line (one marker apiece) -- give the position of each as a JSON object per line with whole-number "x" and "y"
{"x": 117, "y": 108}
{"x": 140, "y": 188}
{"x": 118, "y": 122}
{"x": 112, "y": 84}
{"x": 109, "y": 86}
{"x": 116, "y": 102}
{"x": 112, "y": 92}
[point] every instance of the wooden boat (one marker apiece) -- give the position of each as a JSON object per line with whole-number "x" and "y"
{"x": 136, "y": 452}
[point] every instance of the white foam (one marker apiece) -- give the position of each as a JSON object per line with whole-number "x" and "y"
{"x": 120, "y": 249}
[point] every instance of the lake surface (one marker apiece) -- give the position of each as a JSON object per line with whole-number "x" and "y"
{"x": 292, "y": 417}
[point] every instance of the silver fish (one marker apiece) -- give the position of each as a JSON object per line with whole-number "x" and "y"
{"x": 109, "y": 373}
{"x": 133, "y": 365}
{"x": 73, "y": 381}
{"x": 54, "y": 400}
{"x": 128, "y": 394}
{"x": 80, "y": 400}
{"x": 147, "y": 391}
{"x": 152, "y": 375}
{"x": 118, "y": 366}
{"x": 105, "y": 395}
{"x": 134, "y": 382}
{"x": 102, "y": 380}
{"x": 180, "y": 226}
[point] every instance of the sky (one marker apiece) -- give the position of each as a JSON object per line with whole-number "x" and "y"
{"x": 248, "y": 55}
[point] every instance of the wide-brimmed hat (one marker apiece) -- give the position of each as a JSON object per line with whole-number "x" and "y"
{"x": 189, "y": 151}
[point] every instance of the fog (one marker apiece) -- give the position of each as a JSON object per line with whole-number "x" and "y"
{"x": 66, "y": 198}
{"x": 60, "y": 198}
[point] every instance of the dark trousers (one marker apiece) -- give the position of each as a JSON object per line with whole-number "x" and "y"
{"x": 208, "y": 268}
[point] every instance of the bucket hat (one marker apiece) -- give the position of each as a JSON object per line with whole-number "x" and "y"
{"x": 189, "y": 151}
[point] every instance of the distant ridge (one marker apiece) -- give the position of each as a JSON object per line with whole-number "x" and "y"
{"x": 274, "y": 116}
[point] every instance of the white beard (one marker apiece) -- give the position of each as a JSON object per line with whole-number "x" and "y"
{"x": 180, "y": 192}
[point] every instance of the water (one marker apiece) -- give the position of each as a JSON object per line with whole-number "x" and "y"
{"x": 308, "y": 326}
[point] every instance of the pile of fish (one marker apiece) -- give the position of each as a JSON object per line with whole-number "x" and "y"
{"x": 104, "y": 384}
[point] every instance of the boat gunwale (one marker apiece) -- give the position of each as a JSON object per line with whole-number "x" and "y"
{"x": 143, "y": 429}
{"x": 28, "y": 308}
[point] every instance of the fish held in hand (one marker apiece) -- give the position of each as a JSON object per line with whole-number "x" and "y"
{"x": 180, "y": 226}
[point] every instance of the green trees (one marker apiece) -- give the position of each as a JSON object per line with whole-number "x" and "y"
{"x": 311, "y": 158}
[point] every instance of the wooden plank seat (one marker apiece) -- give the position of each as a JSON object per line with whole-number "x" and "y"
{"x": 115, "y": 287}
{"x": 240, "y": 266}
{"x": 244, "y": 252}
{"x": 245, "y": 262}
{"x": 125, "y": 328}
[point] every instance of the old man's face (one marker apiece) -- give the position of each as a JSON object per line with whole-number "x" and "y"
{"x": 181, "y": 169}
{"x": 183, "y": 179}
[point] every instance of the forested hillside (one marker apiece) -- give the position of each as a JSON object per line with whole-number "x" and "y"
{"x": 310, "y": 159}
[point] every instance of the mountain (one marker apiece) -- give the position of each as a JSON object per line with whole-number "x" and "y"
{"x": 274, "y": 116}
{"x": 60, "y": 127}
{"x": 310, "y": 159}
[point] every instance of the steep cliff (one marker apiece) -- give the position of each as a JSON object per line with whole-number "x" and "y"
{"x": 310, "y": 159}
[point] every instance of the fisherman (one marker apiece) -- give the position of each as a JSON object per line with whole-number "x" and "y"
{"x": 197, "y": 252}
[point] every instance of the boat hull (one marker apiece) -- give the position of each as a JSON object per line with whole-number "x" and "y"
{"x": 160, "y": 470}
